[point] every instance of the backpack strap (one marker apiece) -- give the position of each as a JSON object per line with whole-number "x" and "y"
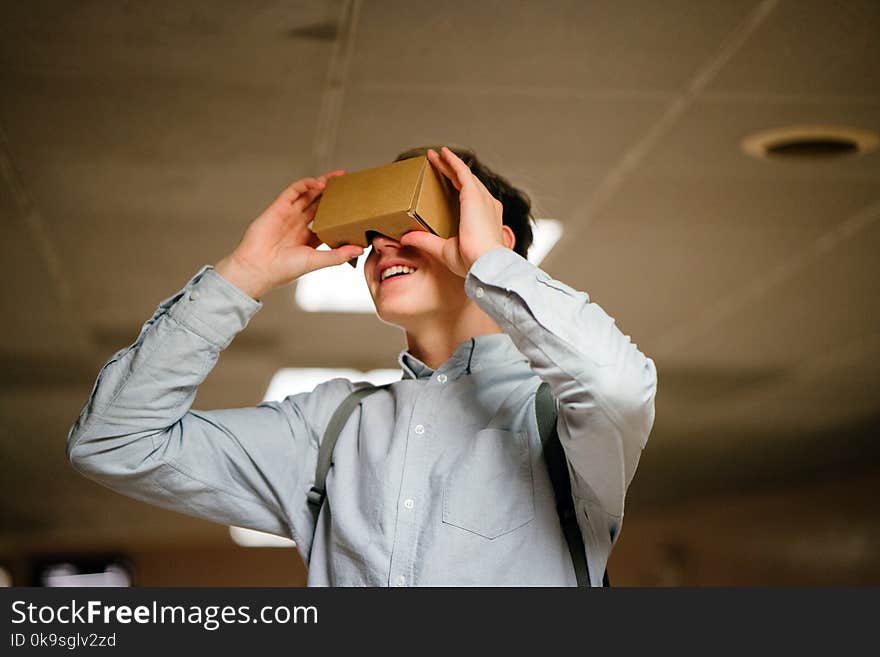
{"x": 557, "y": 466}
{"x": 331, "y": 434}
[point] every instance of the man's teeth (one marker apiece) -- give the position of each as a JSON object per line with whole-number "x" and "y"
{"x": 397, "y": 269}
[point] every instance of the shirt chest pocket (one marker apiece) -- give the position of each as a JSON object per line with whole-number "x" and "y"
{"x": 489, "y": 490}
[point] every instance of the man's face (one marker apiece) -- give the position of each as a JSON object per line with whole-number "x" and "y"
{"x": 409, "y": 299}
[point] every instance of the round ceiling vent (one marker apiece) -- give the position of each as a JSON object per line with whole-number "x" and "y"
{"x": 810, "y": 142}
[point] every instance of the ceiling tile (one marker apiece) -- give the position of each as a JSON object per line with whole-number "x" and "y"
{"x": 810, "y": 48}
{"x": 665, "y": 249}
{"x": 573, "y": 44}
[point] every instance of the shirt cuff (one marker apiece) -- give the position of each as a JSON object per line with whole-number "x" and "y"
{"x": 213, "y": 308}
{"x": 506, "y": 269}
{"x": 489, "y": 266}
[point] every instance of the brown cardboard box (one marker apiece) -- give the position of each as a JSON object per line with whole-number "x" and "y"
{"x": 391, "y": 199}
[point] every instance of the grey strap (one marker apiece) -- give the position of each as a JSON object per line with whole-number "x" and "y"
{"x": 557, "y": 467}
{"x": 328, "y": 442}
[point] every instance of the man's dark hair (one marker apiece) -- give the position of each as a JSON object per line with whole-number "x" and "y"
{"x": 517, "y": 205}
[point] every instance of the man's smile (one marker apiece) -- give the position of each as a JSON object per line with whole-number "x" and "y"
{"x": 397, "y": 271}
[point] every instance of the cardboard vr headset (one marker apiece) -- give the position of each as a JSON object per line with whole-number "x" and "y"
{"x": 392, "y": 199}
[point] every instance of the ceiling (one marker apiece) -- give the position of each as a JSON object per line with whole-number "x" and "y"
{"x": 137, "y": 141}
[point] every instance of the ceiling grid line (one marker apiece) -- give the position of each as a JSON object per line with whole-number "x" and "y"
{"x": 584, "y": 216}
{"x": 35, "y": 226}
{"x": 684, "y": 333}
{"x": 807, "y": 99}
{"x": 334, "y": 90}
{"x": 488, "y": 90}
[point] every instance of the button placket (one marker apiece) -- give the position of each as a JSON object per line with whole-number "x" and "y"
{"x": 416, "y": 465}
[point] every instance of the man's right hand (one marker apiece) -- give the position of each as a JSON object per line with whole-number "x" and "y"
{"x": 278, "y": 246}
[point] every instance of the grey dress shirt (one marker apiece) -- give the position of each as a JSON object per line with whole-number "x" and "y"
{"x": 438, "y": 480}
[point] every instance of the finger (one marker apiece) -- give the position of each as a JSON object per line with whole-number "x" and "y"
{"x": 470, "y": 181}
{"x": 304, "y": 184}
{"x": 490, "y": 200}
{"x": 332, "y": 174}
{"x": 314, "y": 192}
{"x": 422, "y": 239}
{"x": 308, "y": 215}
{"x": 294, "y": 190}
{"x": 321, "y": 259}
{"x": 443, "y": 168}
{"x": 306, "y": 200}
{"x": 462, "y": 171}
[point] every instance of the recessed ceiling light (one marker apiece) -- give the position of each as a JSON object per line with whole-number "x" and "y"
{"x": 810, "y": 142}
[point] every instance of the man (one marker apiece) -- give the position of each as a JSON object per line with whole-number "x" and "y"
{"x": 438, "y": 480}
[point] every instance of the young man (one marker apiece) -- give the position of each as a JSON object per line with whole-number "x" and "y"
{"x": 437, "y": 480}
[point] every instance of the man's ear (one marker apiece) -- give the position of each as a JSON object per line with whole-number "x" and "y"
{"x": 509, "y": 237}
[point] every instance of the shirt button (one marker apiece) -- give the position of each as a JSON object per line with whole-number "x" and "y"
{"x": 401, "y": 580}
{"x": 409, "y": 504}
{"x": 193, "y": 296}
{"x": 480, "y": 293}
{"x": 420, "y": 429}
{"x": 441, "y": 378}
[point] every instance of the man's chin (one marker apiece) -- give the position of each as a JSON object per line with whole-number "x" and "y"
{"x": 397, "y": 316}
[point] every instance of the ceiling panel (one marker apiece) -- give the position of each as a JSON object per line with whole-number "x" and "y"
{"x": 811, "y": 48}
{"x": 34, "y": 319}
{"x": 820, "y": 328}
{"x": 225, "y": 41}
{"x": 573, "y": 45}
{"x": 149, "y": 136}
{"x": 162, "y": 146}
{"x": 665, "y": 249}
{"x": 825, "y": 305}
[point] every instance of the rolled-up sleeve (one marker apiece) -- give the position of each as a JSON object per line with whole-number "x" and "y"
{"x": 604, "y": 386}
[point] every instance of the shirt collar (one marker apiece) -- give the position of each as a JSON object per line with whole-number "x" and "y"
{"x": 472, "y": 355}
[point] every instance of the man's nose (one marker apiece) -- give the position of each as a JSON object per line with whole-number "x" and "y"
{"x": 380, "y": 242}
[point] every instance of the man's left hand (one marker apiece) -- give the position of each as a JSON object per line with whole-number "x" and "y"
{"x": 480, "y": 227}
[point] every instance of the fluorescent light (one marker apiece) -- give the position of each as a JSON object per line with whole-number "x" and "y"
{"x": 293, "y": 380}
{"x": 65, "y": 574}
{"x": 339, "y": 289}
{"x": 545, "y": 234}
{"x": 253, "y": 538}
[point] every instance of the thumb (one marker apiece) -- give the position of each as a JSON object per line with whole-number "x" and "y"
{"x": 422, "y": 239}
{"x": 321, "y": 259}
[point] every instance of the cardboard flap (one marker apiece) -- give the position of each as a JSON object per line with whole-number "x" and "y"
{"x": 437, "y": 205}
